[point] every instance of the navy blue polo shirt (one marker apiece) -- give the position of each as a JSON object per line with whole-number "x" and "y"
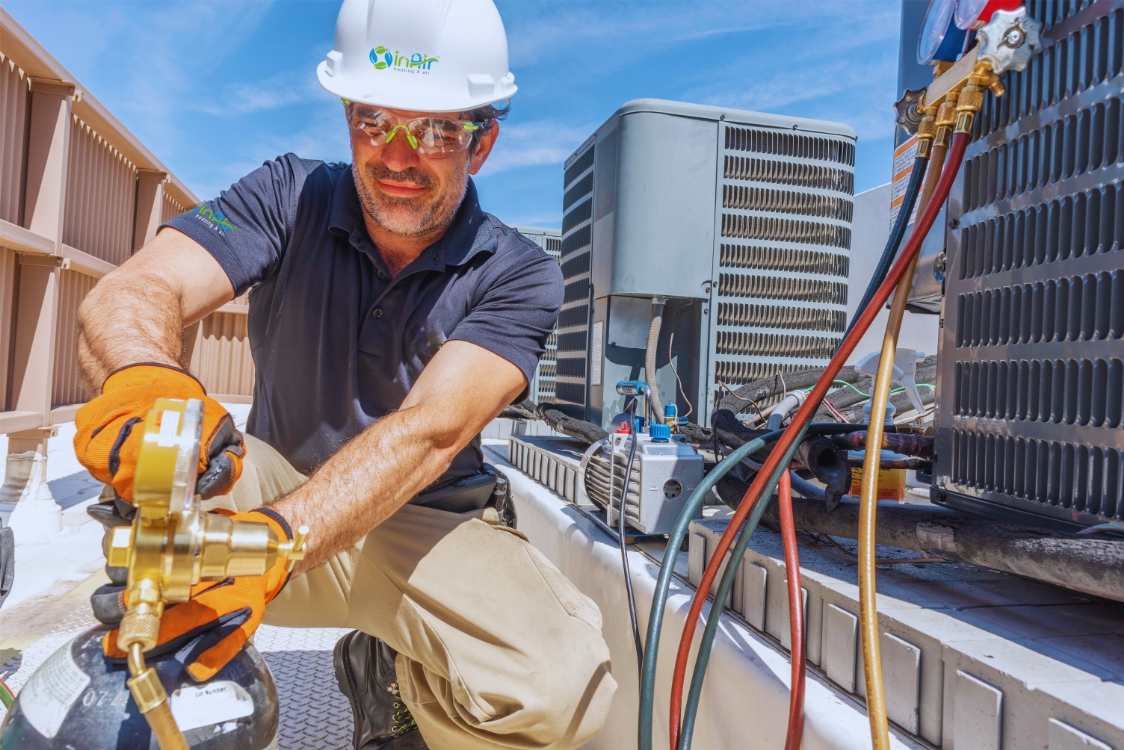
{"x": 336, "y": 342}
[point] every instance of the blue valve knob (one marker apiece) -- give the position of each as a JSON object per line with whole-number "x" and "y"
{"x": 659, "y": 433}
{"x": 632, "y": 388}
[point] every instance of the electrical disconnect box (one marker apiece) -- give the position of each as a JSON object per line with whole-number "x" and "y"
{"x": 1031, "y": 365}
{"x": 741, "y": 220}
{"x": 542, "y": 389}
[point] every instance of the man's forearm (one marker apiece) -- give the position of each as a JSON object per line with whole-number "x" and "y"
{"x": 368, "y": 480}
{"x": 119, "y": 324}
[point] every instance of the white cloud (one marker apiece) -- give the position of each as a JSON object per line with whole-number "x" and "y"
{"x": 281, "y": 90}
{"x": 532, "y": 144}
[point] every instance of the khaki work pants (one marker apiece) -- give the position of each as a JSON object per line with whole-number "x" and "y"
{"x": 496, "y": 648}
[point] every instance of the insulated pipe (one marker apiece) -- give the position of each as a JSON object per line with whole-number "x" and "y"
{"x": 895, "y": 442}
{"x": 650, "y": 357}
{"x": 766, "y": 478}
{"x": 1086, "y": 564}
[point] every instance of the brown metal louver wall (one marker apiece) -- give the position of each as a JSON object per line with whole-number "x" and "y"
{"x": 101, "y": 186}
{"x": 222, "y": 358}
{"x": 113, "y": 193}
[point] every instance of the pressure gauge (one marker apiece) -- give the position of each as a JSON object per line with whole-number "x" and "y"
{"x": 974, "y": 14}
{"x": 941, "y": 40}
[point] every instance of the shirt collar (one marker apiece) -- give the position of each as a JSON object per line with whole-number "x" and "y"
{"x": 471, "y": 232}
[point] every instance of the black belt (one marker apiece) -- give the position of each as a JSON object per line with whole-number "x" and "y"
{"x": 462, "y": 495}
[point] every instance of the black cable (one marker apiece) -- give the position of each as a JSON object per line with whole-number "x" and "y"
{"x": 621, "y": 534}
{"x": 894, "y": 240}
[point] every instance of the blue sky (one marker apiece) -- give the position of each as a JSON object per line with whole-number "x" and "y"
{"x": 216, "y": 88}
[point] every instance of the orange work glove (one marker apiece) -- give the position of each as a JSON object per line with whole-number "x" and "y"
{"x": 107, "y": 443}
{"x": 220, "y": 614}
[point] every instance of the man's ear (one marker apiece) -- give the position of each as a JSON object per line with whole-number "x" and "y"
{"x": 484, "y": 146}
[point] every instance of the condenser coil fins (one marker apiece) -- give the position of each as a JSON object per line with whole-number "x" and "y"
{"x": 543, "y": 387}
{"x": 1032, "y": 377}
{"x": 740, "y": 222}
{"x": 575, "y": 254}
{"x": 784, "y": 235}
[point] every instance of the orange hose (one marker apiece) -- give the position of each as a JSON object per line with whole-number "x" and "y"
{"x": 802, "y": 418}
{"x": 795, "y": 616}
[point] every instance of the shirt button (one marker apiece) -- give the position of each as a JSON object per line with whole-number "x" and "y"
{"x": 380, "y": 274}
{"x": 376, "y": 313}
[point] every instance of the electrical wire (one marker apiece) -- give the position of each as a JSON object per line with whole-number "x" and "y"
{"x": 671, "y": 361}
{"x": 913, "y": 188}
{"x": 671, "y": 554}
{"x": 795, "y": 616}
{"x": 621, "y": 533}
{"x": 767, "y": 478}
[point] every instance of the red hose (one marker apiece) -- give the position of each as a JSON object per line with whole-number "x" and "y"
{"x": 802, "y": 417}
{"x": 795, "y": 616}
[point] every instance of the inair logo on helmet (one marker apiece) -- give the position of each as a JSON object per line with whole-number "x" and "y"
{"x": 382, "y": 58}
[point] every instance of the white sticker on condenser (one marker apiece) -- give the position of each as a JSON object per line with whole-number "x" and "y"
{"x": 213, "y": 703}
{"x": 51, "y": 691}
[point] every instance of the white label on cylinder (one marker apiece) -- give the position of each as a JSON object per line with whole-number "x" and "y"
{"x": 47, "y": 697}
{"x": 213, "y": 703}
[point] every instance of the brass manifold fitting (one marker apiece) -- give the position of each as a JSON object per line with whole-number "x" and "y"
{"x": 173, "y": 545}
{"x": 957, "y": 95}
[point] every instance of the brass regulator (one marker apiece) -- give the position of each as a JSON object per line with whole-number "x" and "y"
{"x": 173, "y": 545}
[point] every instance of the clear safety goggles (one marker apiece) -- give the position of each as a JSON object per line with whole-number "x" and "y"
{"x": 432, "y": 136}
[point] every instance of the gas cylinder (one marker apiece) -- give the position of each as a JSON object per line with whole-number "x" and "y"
{"x": 78, "y": 699}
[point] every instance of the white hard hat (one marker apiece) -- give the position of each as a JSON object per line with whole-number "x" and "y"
{"x": 424, "y": 55}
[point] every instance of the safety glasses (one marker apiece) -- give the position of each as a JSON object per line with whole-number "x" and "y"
{"x": 432, "y": 136}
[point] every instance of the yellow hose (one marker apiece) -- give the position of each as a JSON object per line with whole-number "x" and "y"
{"x": 152, "y": 701}
{"x": 961, "y": 114}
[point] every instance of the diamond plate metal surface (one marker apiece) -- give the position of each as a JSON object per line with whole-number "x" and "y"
{"x": 314, "y": 714}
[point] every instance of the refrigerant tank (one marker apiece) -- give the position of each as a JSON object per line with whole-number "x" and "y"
{"x": 78, "y": 699}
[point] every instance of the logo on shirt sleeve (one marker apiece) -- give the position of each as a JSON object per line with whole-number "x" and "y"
{"x": 214, "y": 219}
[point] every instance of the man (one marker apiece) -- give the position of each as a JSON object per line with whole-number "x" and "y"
{"x": 390, "y": 320}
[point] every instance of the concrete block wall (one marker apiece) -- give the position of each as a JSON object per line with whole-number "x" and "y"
{"x": 972, "y": 659}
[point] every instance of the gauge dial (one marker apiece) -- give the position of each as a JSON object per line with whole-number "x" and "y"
{"x": 941, "y": 40}
{"x": 974, "y": 14}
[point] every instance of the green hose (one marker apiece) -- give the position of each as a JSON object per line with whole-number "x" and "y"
{"x": 724, "y": 586}
{"x": 6, "y": 695}
{"x": 675, "y": 541}
{"x": 663, "y": 583}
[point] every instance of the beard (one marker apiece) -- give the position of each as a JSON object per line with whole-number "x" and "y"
{"x": 416, "y": 217}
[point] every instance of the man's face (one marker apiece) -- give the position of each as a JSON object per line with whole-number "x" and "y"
{"x": 410, "y": 194}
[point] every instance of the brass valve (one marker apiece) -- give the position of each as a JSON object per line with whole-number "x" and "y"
{"x": 173, "y": 545}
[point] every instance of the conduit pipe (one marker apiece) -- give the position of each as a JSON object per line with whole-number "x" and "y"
{"x": 650, "y": 356}
{"x": 768, "y": 476}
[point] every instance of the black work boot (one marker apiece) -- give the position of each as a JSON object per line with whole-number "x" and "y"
{"x": 365, "y": 673}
